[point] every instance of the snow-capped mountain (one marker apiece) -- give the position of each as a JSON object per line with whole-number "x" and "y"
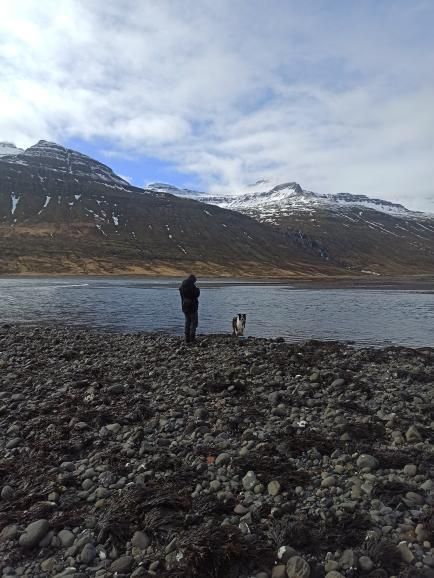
{"x": 8, "y": 148}
{"x": 172, "y": 190}
{"x": 287, "y": 197}
{"x": 355, "y": 231}
{"x": 64, "y": 212}
{"x": 46, "y": 160}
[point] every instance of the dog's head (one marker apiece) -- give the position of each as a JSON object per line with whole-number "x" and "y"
{"x": 242, "y": 317}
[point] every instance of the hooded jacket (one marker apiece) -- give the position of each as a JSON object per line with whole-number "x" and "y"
{"x": 189, "y": 295}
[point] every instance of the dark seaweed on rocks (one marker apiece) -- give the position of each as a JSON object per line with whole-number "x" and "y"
{"x": 134, "y": 453}
{"x": 384, "y": 553}
{"x": 221, "y": 553}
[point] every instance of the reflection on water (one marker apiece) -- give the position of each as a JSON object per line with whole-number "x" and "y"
{"x": 362, "y": 315}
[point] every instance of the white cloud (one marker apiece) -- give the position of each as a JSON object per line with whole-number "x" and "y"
{"x": 336, "y": 95}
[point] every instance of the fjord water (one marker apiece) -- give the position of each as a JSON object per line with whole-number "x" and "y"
{"x": 364, "y": 316}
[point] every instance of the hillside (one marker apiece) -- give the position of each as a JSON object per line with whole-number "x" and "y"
{"x": 63, "y": 212}
{"x": 361, "y": 234}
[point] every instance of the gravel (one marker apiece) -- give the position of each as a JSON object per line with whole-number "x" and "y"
{"x": 135, "y": 455}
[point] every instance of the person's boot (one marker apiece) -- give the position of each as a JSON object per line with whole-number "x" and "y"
{"x": 187, "y": 338}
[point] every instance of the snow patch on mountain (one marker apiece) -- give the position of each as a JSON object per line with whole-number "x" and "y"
{"x": 291, "y": 198}
{"x": 63, "y": 161}
{"x": 287, "y": 198}
{"x": 172, "y": 190}
{"x": 14, "y": 199}
{"x": 8, "y": 148}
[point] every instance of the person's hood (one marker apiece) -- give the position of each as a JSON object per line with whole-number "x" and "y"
{"x": 190, "y": 280}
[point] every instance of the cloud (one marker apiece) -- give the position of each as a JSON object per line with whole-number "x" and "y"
{"x": 335, "y": 95}
{"x": 127, "y": 178}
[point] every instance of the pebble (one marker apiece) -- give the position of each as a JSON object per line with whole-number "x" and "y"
{"x": 406, "y": 554}
{"x": 273, "y": 488}
{"x": 367, "y": 461}
{"x": 122, "y": 565}
{"x": 7, "y": 493}
{"x": 410, "y": 470}
{"x": 297, "y": 567}
{"x": 8, "y": 533}
{"x": 412, "y": 435}
{"x": 88, "y": 553}
{"x": 13, "y": 443}
{"x": 140, "y": 540}
{"x": 222, "y": 459}
{"x": 365, "y": 563}
{"x": 279, "y": 571}
{"x": 34, "y": 533}
{"x": 331, "y": 565}
{"x": 66, "y": 538}
{"x": 249, "y": 480}
{"x": 328, "y": 482}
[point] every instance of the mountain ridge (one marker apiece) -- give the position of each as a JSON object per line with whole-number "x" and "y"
{"x": 289, "y": 192}
{"x": 359, "y": 233}
{"x": 62, "y": 211}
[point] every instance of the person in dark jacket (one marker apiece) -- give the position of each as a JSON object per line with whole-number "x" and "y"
{"x": 190, "y": 305}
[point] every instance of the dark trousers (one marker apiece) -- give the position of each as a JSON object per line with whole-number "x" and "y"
{"x": 191, "y": 323}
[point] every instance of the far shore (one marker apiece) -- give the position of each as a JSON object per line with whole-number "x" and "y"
{"x": 410, "y": 282}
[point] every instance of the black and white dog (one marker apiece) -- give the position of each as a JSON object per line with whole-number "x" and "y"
{"x": 239, "y": 324}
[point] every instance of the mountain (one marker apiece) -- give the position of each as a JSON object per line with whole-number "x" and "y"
{"x": 63, "y": 212}
{"x": 8, "y": 148}
{"x": 173, "y": 190}
{"x": 356, "y": 232}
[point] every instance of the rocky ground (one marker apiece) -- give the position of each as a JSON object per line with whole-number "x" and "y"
{"x": 135, "y": 455}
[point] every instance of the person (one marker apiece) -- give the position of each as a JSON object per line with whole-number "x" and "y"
{"x": 190, "y": 306}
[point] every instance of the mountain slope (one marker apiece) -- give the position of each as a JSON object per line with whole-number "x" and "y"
{"x": 63, "y": 212}
{"x": 353, "y": 231}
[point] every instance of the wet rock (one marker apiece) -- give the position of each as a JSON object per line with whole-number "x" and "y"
{"x": 88, "y": 553}
{"x": 34, "y": 533}
{"x": 140, "y": 540}
{"x": 13, "y": 443}
{"x": 66, "y": 538}
{"x": 279, "y": 571}
{"x": 406, "y": 554}
{"x": 48, "y": 565}
{"x": 122, "y": 565}
{"x": 7, "y": 493}
{"x": 410, "y": 470}
{"x": 249, "y": 481}
{"x": 365, "y": 563}
{"x": 8, "y": 533}
{"x": 412, "y": 435}
{"x": 284, "y": 553}
{"x": 367, "y": 461}
{"x": 297, "y": 567}
{"x": 348, "y": 559}
{"x": 273, "y": 488}
{"x": 222, "y": 459}
{"x": 328, "y": 482}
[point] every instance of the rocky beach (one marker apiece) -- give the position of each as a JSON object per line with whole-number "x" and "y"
{"x": 136, "y": 455}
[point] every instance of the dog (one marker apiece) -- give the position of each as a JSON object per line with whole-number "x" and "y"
{"x": 239, "y": 324}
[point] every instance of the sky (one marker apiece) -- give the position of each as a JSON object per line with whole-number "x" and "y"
{"x": 337, "y": 95}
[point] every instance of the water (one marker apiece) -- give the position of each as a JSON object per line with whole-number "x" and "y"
{"x": 365, "y": 316}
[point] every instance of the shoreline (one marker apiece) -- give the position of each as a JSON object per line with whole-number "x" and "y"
{"x": 135, "y": 455}
{"x": 417, "y": 282}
